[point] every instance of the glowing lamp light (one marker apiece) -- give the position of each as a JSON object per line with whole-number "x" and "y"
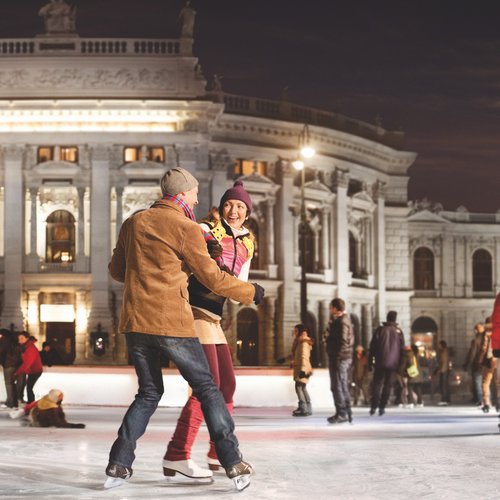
{"x": 307, "y": 152}
{"x": 298, "y": 164}
{"x": 64, "y": 256}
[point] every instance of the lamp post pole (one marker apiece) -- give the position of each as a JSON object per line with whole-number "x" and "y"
{"x": 306, "y": 152}
{"x": 303, "y": 249}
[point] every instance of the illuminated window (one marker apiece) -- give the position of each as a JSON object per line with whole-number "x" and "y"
{"x": 69, "y": 153}
{"x": 248, "y": 167}
{"x": 131, "y": 154}
{"x": 138, "y": 153}
{"x": 45, "y": 153}
{"x": 157, "y": 154}
{"x": 423, "y": 269}
{"x": 60, "y": 242}
{"x": 482, "y": 271}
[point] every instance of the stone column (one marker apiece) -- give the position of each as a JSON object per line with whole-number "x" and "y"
{"x": 33, "y": 222}
{"x": 33, "y": 316}
{"x": 366, "y": 324}
{"x": 341, "y": 181}
{"x": 286, "y": 239}
{"x": 272, "y": 268}
{"x": 80, "y": 248}
{"x": 467, "y": 268}
{"x": 119, "y": 210}
{"x": 267, "y": 354}
{"x": 325, "y": 239}
{"x": 81, "y": 338}
{"x": 13, "y": 245}
{"x": 379, "y": 196}
{"x": 100, "y": 222}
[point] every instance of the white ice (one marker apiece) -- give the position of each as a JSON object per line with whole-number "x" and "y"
{"x": 432, "y": 453}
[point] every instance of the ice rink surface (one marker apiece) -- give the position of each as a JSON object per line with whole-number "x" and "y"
{"x": 432, "y": 453}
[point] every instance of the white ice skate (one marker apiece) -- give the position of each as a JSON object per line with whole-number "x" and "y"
{"x": 187, "y": 468}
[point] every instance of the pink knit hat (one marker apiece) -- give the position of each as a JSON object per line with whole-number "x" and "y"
{"x": 237, "y": 192}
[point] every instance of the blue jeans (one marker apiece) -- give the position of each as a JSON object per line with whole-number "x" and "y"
{"x": 188, "y": 356}
{"x": 339, "y": 385}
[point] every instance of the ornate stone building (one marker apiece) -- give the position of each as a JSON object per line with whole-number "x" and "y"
{"x": 88, "y": 127}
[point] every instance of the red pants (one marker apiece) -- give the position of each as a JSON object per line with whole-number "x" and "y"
{"x": 221, "y": 365}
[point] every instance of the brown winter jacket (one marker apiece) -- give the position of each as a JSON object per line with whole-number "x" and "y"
{"x": 157, "y": 250}
{"x": 302, "y": 359}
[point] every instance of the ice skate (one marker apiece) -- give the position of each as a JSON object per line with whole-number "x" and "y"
{"x": 213, "y": 464}
{"x": 240, "y": 474}
{"x": 187, "y": 468}
{"x": 117, "y": 475}
{"x": 16, "y": 413}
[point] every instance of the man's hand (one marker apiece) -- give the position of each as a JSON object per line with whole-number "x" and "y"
{"x": 259, "y": 294}
{"x": 214, "y": 249}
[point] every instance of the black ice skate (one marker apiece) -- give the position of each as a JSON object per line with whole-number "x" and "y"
{"x": 117, "y": 475}
{"x": 240, "y": 474}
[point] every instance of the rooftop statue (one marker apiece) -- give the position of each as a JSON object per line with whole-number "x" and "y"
{"x": 186, "y": 17}
{"x": 58, "y": 17}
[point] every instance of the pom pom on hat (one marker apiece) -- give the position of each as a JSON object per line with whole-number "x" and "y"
{"x": 237, "y": 192}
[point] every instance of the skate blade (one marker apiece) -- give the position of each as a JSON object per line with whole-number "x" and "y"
{"x": 241, "y": 482}
{"x": 113, "y": 482}
{"x": 181, "y": 479}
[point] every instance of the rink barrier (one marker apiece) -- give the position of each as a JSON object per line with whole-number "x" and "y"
{"x": 117, "y": 386}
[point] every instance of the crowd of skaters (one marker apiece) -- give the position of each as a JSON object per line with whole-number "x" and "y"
{"x": 390, "y": 368}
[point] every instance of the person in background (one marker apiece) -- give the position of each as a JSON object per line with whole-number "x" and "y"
{"x": 443, "y": 369}
{"x": 472, "y": 363}
{"x": 231, "y": 245}
{"x": 488, "y": 366}
{"x": 50, "y": 355}
{"x": 46, "y": 412}
{"x": 386, "y": 351}
{"x": 360, "y": 374}
{"x": 340, "y": 347}
{"x": 10, "y": 359}
{"x": 31, "y": 367}
{"x": 415, "y": 382}
{"x": 302, "y": 369}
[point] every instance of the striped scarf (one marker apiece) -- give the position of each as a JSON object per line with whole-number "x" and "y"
{"x": 185, "y": 207}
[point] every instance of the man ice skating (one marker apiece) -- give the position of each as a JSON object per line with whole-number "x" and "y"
{"x": 157, "y": 250}
{"x": 340, "y": 349}
{"x": 386, "y": 351}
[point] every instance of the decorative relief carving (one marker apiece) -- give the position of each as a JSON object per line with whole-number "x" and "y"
{"x": 72, "y": 78}
{"x": 340, "y": 178}
{"x": 58, "y": 197}
{"x": 220, "y": 160}
{"x": 424, "y": 204}
{"x": 133, "y": 201}
{"x": 379, "y": 190}
{"x": 434, "y": 243}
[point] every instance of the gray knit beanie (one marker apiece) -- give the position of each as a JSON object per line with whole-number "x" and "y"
{"x": 177, "y": 180}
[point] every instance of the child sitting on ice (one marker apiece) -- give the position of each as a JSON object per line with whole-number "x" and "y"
{"x": 46, "y": 412}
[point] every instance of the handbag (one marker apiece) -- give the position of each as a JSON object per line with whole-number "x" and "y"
{"x": 412, "y": 371}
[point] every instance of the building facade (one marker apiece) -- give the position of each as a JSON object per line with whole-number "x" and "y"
{"x": 89, "y": 125}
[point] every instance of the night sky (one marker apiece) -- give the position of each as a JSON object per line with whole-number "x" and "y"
{"x": 429, "y": 67}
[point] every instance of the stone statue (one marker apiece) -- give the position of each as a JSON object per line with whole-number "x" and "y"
{"x": 59, "y": 17}
{"x": 186, "y": 17}
{"x": 217, "y": 84}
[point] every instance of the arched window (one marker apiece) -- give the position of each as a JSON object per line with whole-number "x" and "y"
{"x": 423, "y": 269}
{"x": 482, "y": 271}
{"x": 353, "y": 255}
{"x": 247, "y": 338}
{"x": 252, "y": 225}
{"x": 60, "y": 237}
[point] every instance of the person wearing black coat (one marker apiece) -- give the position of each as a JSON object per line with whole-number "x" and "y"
{"x": 340, "y": 348}
{"x": 10, "y": 359}
{"x": 386, "y": 351}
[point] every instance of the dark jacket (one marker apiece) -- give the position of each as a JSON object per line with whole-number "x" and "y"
{"x": 340, "y": 339}
{"x": 387, "y": 346}
{"x": 10, "y": 350}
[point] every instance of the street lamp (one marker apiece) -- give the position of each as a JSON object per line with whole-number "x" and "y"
{"x": 306, "y": 152}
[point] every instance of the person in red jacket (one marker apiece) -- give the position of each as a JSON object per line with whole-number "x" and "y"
{"x": 495, "y": 328}
{"x": 31, "y": 368}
